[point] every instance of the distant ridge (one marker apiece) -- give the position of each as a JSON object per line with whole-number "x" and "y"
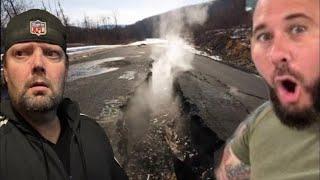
{"x": 221, "y": 14}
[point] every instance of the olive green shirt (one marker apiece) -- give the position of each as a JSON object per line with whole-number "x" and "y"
{"x": 275, "y": 151}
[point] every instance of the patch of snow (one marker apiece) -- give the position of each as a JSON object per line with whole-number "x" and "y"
{"x": 73, "y": 49}
{"x": 129, "y": 75}
{"x": 149, "y": 41}
{"x": 92, "y": 68}
{"x": 81, "y": 49}
{"x": 258, "y": 76}
{"x": 217, "y": 58}
{"x": 110, "y": 59}
{"x": 83, "y": 74}
{"x": 197, "y": 52}
{"x": 202, "y": 53}
{"x": 136, "y": 56}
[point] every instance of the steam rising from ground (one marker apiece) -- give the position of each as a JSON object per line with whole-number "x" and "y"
{"x": 174, "y": 59}
{"x": 169, "y": 61}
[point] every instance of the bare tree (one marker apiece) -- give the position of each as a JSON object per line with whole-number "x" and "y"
{"x": 108, "y": 20}
{"x": 11, "y": 8}
{"x": 56, "y": 9}
{"x": 115, "y": 15}
{"x": 86, "y": 22}
{"x": 64, "y": 18}
{"x": 5, "y": 11}
{"x": 43, "y": 5}
{"x": 49, "y": 5}
{"x": 103, "y": 20}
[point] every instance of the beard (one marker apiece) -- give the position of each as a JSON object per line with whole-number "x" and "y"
{"x": 293, "y": 117}
{"x": 38, "y": 102}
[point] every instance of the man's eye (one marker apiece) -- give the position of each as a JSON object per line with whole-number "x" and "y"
{"x": 297, "y": 29}
{"x": 21, "y": 54}
{"x": 263, "y": 37}
{"x": 53, "y": 54}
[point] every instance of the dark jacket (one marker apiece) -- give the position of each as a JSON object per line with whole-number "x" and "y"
{"x": 25, "y": 154}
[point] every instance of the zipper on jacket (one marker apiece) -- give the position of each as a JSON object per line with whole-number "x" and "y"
{"x": 82, "y": 155}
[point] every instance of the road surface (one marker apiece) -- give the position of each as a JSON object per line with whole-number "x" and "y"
{"x": 214, "y": 99}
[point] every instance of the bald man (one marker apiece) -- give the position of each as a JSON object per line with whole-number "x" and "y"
{"x": 280, "y": 140}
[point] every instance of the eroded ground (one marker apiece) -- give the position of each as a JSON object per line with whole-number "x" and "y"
{"x": 182, "y": 139}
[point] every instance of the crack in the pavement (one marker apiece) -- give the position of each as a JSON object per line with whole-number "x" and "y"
{"x": 228, "y": 86}
{"x": 252, "y": 95}
{"x": 224, "y": 85}
{"x": 204, "y": 139}
{"x": 199, "y": 143}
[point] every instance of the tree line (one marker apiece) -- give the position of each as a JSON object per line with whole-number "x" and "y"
{"x": 106, "y": 30}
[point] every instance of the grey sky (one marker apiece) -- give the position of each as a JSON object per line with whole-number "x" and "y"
{"x": 128, "y": 11}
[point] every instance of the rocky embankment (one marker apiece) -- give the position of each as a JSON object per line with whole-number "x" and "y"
{"x": 232, "y": 45}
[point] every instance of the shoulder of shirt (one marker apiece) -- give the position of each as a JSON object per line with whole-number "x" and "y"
{"x": 260, "y": 113}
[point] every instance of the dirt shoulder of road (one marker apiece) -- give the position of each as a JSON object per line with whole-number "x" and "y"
{"x": 232, "y": 45}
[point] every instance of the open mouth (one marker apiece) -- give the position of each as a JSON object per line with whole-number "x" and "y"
{"x": 288, "y": 89}
{"x": 289, "y": 85}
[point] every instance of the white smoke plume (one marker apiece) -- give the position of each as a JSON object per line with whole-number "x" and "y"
{"x": 170, "y": 60}
{"x": 174, "y": 58}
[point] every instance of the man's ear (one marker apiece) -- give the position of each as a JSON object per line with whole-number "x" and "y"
{"x": 4, "y": 75}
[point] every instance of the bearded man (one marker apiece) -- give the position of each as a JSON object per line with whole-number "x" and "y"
{"x": 43, "y": 136}
{"x": 280, "y": 140}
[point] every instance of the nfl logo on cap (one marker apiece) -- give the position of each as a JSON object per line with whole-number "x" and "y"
{"x": 38, "y": 28}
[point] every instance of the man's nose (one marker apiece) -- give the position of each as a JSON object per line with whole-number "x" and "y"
{"x": 280, "y": 51}
{"x": 38, "y": 65}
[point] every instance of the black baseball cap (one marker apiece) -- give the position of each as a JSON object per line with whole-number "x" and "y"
{"x": 35, "y": 25}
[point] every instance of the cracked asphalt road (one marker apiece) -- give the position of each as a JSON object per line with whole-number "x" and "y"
{"x": 220, "y": 95}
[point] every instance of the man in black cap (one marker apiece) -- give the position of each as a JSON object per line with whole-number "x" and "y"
{"x": 43, "y": 136}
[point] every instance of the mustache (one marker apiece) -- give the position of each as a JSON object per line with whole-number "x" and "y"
{"x": 37, "y": 80}
{"x": 284, "y": 69}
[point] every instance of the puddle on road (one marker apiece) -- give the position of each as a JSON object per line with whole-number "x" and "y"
{"x": 92, "y": 68}
{"x": 128, "y": 75}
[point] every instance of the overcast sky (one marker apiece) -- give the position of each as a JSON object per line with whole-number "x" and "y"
{"x": 129, "y": 11}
